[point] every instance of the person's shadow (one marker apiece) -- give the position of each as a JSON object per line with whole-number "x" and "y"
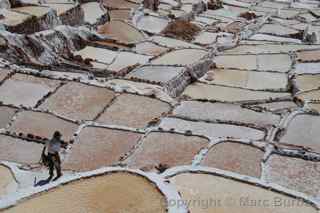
{"x": 42, "y": 182}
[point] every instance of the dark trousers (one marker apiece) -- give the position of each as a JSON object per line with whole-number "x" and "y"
{"x": 54, "y": 162}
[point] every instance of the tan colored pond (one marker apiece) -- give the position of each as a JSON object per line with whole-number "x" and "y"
{"x": 114, "y": 193}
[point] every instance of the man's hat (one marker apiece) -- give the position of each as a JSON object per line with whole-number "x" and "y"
{"x": 57, "y": 134}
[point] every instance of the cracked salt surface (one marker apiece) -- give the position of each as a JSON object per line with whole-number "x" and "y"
{"x": 232, "y": 113}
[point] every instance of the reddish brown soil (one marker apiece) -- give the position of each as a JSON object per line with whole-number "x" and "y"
{"x": 181, "y": 30}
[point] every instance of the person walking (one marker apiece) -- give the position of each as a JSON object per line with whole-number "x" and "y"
{"x": 51, "y": 156}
